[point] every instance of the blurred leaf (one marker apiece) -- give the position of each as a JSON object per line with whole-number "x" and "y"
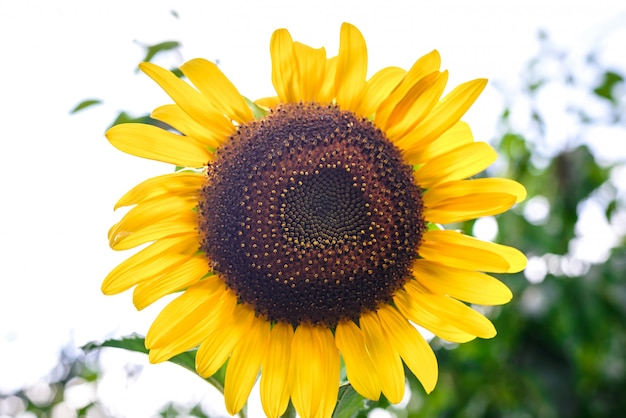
{"x": 349, "y": 402}
{"x": 85, "y": 104}
{"x": 186, "y": 359}
{"x": 153, "y": 50}
{"x": 606, "y": 88}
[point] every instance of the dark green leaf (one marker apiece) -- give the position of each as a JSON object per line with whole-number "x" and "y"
{"x": 85, "y": 104}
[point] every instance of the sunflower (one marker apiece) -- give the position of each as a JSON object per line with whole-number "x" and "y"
{"x": 304, "y": 228}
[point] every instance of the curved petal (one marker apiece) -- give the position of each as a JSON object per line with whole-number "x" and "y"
{"x": 414, "y": 350}
{"x": 461, "y": 200}
{"x": 243, "y": 366}
{"x": 444, "y": 115}
{"x": 452, "y": 311}
{"x": 377, "y": 89}
{"x": 412, "y": 310}
{"x": 359, "y": 366}
{"x": 192, "y": 334}
{"x": 454, "y": 249}
{"x": 173, "y": 213}
{"x": 427, "y": 64}
{"x": 275, "y": 371}
{"x": 150, "y": 262}
{"x": 459, "y": 134}
{"x": 217, "y": 347}
{"x": 351, "y": 66}
{"x": 176, "y": 117}
{"x": 312, "y": 69}
{"x": 469, "y": 286}
{"x": 167, "y": 185}
{"x": 123, "y": 239}
{"x": 462, "y": 162}
{"x": 384, "y": 356}
{"x": 414, "y": 107}
{"x": 285, "y": 75}
{"x": 171, "y": 280}
{"x": 154, "y": 143}
{"x": 183, "y": 313}
{"x": 194, "y": 103}
{"x": 214, "y": 85}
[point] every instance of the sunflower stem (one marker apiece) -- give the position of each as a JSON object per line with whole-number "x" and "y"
{"x": 290, "y": 412}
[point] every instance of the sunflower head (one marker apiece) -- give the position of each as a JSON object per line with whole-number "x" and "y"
{"x": 311, "y": 232}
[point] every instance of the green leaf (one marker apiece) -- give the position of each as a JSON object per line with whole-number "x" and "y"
{"x": 85, "y": 104}
{"x": 137, "y": 344}
{"x": 257, "y": 111}
{"x": 153, "y": 50}
{"x": 349, "y": 402}
{"x": 606, "y": 88}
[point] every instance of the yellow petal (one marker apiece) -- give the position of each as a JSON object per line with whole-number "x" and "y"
{"x": 414, "y": 350}
{"x": 176, "y": 117}
{"x": 378, "y": 89}
{"x": 469, "y": 286}
{"x": 445, "y": 114}
{"x": 312, "y": 67}
{"x": 384, "y": 356}
{"x": 351, "y": 66}
{"x": 182, "y": 313}
{"x": 150, "y": 212}
{"x": 214, "y": 351}
{"x": 461, "y": 200}
{"x": 150, "y": 262}
{"x": 359, "y": 367}
{"x": 427, "y": 64}
{"x": 154, "y": 143}
{"x": 171, "y": 280}
{"x": 412, "y": 310}
{"x": 459, "y": 134}
{"x": 268, "y": 102}
{"x": 154, "y": 220}
{"x": 314, "y": 369}
{"x": 193, "y": 102}
{"x": 460, "y": 163}
{"x": 454, "y": 249}
{"x": 275, "y": 371}
{"x": 304, "y": 367}
{"x": 327, "y": 90}
{"x": 214, "y": 85}
{"x": 193, "y": 333}
{"x": 413, "y": 107}
{"x": 174, "y": 184}
{"x": 451, "y": 310}
{"x": 329, "y": 374}
{"x": 243, "y": 366}
{"x": 284, "y": 68}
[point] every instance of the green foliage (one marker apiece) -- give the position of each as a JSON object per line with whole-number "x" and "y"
{"x": 85, "y": 104}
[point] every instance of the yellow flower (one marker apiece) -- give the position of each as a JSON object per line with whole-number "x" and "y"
{"x": 304, "y": 229}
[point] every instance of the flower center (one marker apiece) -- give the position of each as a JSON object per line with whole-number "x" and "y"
{"x": 310, "y": 215}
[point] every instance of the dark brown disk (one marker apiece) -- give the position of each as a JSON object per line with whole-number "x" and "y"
{"x": 310, "y": 215}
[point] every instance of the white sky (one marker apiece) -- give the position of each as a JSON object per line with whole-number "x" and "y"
{"x": 60, "y": 177}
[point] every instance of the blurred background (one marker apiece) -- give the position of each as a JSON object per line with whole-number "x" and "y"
{"x": 555, "y": 109}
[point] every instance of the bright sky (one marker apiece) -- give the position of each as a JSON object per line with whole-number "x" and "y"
{"x": 60, "y": 177}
